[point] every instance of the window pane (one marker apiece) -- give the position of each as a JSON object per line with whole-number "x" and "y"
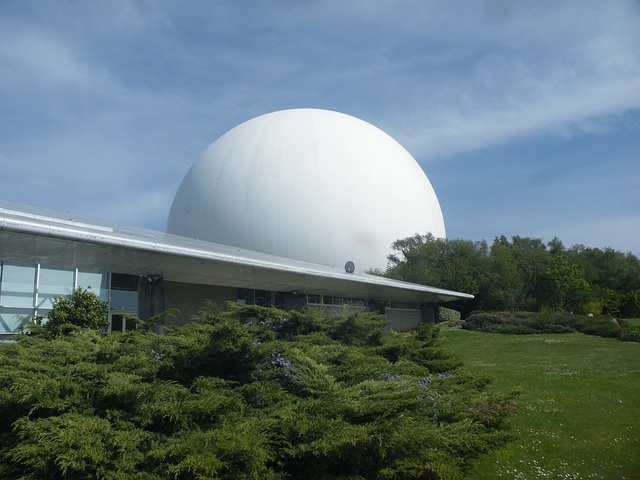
{"x": 245, "y": 296}
{"x": 10, "y": 318}
{"x": 311, "y": 298}
{"x": 96, "y": 282}
{"x": 279, "y": 300}
{"x": 123, "y": 301}
{"x": 120, "y": 323}
{"x": 116, "y": 323}
{"x": 124, "y": 292}
{"x": 262, "y": 298}
{"x": 52, "y": 282}
{"x": 121, "y": 281}
{"x": 130, "y": 324}
{"x": 18, "y": 285}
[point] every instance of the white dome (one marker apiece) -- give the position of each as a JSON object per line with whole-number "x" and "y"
{"x": 310, "y": 185}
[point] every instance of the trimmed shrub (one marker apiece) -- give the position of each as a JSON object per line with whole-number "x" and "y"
{"x": 520, "y": 323}
{"x": 549, "y": 322}
{"x": 631, "y": 334}
{"x": 601, "y": 327}
{"x": 444, "y": 314}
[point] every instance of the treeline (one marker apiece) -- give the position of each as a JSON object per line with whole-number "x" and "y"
{"x": 523, "y": 274}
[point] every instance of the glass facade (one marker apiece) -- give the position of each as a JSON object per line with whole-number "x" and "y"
{"x": 17, "y": 285}
{"x": 265, "y": 298}
{"x": 53, "y": 282}
{"x": 333, "y": 300}
{"x": 124, "y": 293}
{"x": 28, "y": 290}
{"x": 249, "y": 296}
{"x": 96, "y": 282}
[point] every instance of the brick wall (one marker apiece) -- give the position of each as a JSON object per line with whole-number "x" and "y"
{"x": 401, "y": 320}
{"x": 337, "y": 310}
{"x": 189, "y": 298}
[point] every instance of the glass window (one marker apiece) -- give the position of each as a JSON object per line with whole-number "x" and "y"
{"x": 314, "y": 298}
{"x": 54, "y": 282}
{"x": 120, "y": 323}
{"x": 279, "y": 300}
{"x": 10, "y": 319}
{"x": 405, "y": 306}
{"x": 116, "y": 323}
{"x": 262, "y": 298}
{"x": 18, "y": 285}
{"x": 124, "y": 292}
{"x": 96, "y": 282}
{"x": 245, "y": 296}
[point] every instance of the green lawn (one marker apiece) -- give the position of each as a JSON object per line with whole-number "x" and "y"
{"x": 579, "y": 407}
{"x": 633, "y": 321}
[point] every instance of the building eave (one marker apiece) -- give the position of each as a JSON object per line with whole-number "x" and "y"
{"x": 35, "y": 235}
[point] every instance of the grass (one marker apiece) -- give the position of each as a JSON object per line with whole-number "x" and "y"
{"x": 633, "y": 321}
{"x": 579, "y": 414}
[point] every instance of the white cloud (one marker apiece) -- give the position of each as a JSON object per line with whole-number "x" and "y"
{"x": 32, "y": 57}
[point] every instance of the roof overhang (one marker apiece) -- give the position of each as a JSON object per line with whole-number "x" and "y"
{"x": 36, "y": 235}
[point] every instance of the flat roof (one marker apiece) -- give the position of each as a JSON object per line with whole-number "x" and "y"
{"x": 30, "y": 234}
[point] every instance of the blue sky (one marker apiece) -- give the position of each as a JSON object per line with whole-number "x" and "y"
{"x": 525, "y": 116}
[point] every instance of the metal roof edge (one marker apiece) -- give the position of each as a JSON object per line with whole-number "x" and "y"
{"x": 137, "y": 238}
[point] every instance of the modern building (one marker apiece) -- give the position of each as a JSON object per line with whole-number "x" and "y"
{"x": 289, "y": 209}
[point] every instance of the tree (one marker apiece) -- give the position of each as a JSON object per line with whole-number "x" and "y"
{"x": 522, "y": 273}
{"x": 82, "y": 309}
{"x": 459, "y": 265}
{"x": 565, "y": 284}
{"x": 507, "y": 280}
{"x": 533, "y": 259}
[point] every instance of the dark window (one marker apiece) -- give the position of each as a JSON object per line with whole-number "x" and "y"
{"x": 262, "y": 298}
{"x": 245, "y": 296}
{"x": 311, "y": 298}
{"x": 120, "y": 323}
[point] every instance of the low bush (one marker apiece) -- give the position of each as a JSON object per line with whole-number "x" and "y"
{"x": 520, "y": 323}
{"x": 631, "y": 334}
{"x": 248, "y": 392}
{"x": 549, "y": 322}
{"x": 601, "y": 327}
{"x": 444, "y": 314}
